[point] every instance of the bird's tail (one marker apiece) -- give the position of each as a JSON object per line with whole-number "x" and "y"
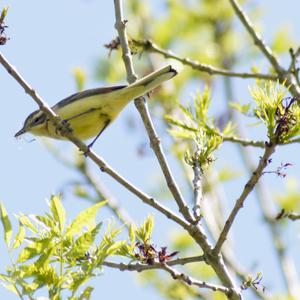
{"x": 149, "y": 82}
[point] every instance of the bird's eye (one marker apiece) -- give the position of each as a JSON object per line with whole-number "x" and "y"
{"x": 36, "y": 120}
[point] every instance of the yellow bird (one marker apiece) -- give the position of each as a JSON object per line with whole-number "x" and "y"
{"x": 90, "y": 112}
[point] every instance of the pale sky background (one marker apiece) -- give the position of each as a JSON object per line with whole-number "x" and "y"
{"x": 49, "y": 39}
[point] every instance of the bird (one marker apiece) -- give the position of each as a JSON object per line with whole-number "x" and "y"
{"x": 91, "y": 111}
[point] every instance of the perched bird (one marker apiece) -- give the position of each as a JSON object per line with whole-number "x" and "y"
{"x": 90, "y": 112}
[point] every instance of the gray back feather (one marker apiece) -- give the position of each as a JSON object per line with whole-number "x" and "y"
{"x": 87, "y": 93}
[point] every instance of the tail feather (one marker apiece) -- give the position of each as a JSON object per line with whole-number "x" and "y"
{"x": 151, "y": 81}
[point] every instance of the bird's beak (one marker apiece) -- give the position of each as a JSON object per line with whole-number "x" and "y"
{"x": 20, "y": 132}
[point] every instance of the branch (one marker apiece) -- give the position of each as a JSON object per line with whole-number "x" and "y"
{"x": 285, "y": 77}
{"x": 156, "y": 146}
{"x": 144, "y": 112}
{"x": 64, "y": 129}
{"x": 234, "y": 139}
{"x": 191, "y": 281}
{"x": 120, "y": 26}
{"x": 139, "y": 267}
{"x": 293, "y": 141}
{"x": 197, "y": 186}
{"x": 258, "y": 144}
{"x": 152, "y": 47}
{"x": 258, "y": 41}
{"x": 269, "y": 150}
{"x": 167, "y": 267}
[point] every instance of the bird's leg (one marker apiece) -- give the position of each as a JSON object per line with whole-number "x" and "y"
{"x": 95, "y": 139}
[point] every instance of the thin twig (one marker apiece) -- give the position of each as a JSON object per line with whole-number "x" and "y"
{"x": 269, "y": 150}
{"x": 253, "y": 143}
{"x": 285, "y": 77}
{"x": 258, "y": 41}
{"x": 243, "y": 142}
{"x": 139, "y": 267}
{"x": 191, "y": 281}
{"x": 174, "y": 273}
{"x": 145, "y": 115}
{"x": 152, "y": 47}
{"x": 197, "y": 187}
{"x": 120, "y": 26}
{"x": 156, "y": 146}
{"x": 66, "y": 132}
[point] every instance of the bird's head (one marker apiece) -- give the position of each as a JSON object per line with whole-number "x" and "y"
{"x": 35, "y": 123}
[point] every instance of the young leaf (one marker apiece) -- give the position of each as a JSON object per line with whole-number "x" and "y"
{"x": 132, "y": 237}
{"x": 58, "y": 211}
{"x": 24, "y": 220}
{"x": 84, "y": 242}
{"x": 86, "y": 293}
{"x": 34, "y": 249}
{"x": 80, "y": 78}
{"x": 6, "y": 224}
{"x": 86, "y": 218}
{"x": 145, "y": 230}
{"x": 19, "y": 237}
{"x": 114, "y": 248}
{"x": 3, "y": 14}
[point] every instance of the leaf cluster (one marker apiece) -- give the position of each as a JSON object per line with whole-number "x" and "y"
{"x": 280, "y": 114}
{"x": 197, "y": 130}
{"x": 55, "y": 255}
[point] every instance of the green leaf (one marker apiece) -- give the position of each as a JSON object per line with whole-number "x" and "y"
{"x": 46, "y": 275}
{"x": 80, "y": 78}
{"x": 47, "y": 221}
{"x": 86, "y": 293}
{"x": 145, "y": 230}
{"x": 58, "y": 211}
{"x": 149, "y": 225}
{"x": 132, "y": 237}
{"x": 84, "y": 242}
{"x": 77, "y": 280}
{"x": 24, "y": 220}
{"x": 34, "y": 249}
{"x": 114, "y": 248}
{"x": 19, "y": 237}
{"x": 45, "y": 257}
{"x": 6, "y": 224}
{"x": 3, "y": 14}
{"x": 86, "y": 218}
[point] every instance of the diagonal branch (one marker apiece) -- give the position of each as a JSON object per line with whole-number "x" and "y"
{"x": 285, "y": 76}
{"x": 269, "y": 150}
{"x": 144, "y": 112}
{"x": 258, "y": 41}
{"x": 157, "y": 148}
{"x": 191, "y": 281}
{"x": 150, "y": 46}
{"x": 65, "y": 131}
